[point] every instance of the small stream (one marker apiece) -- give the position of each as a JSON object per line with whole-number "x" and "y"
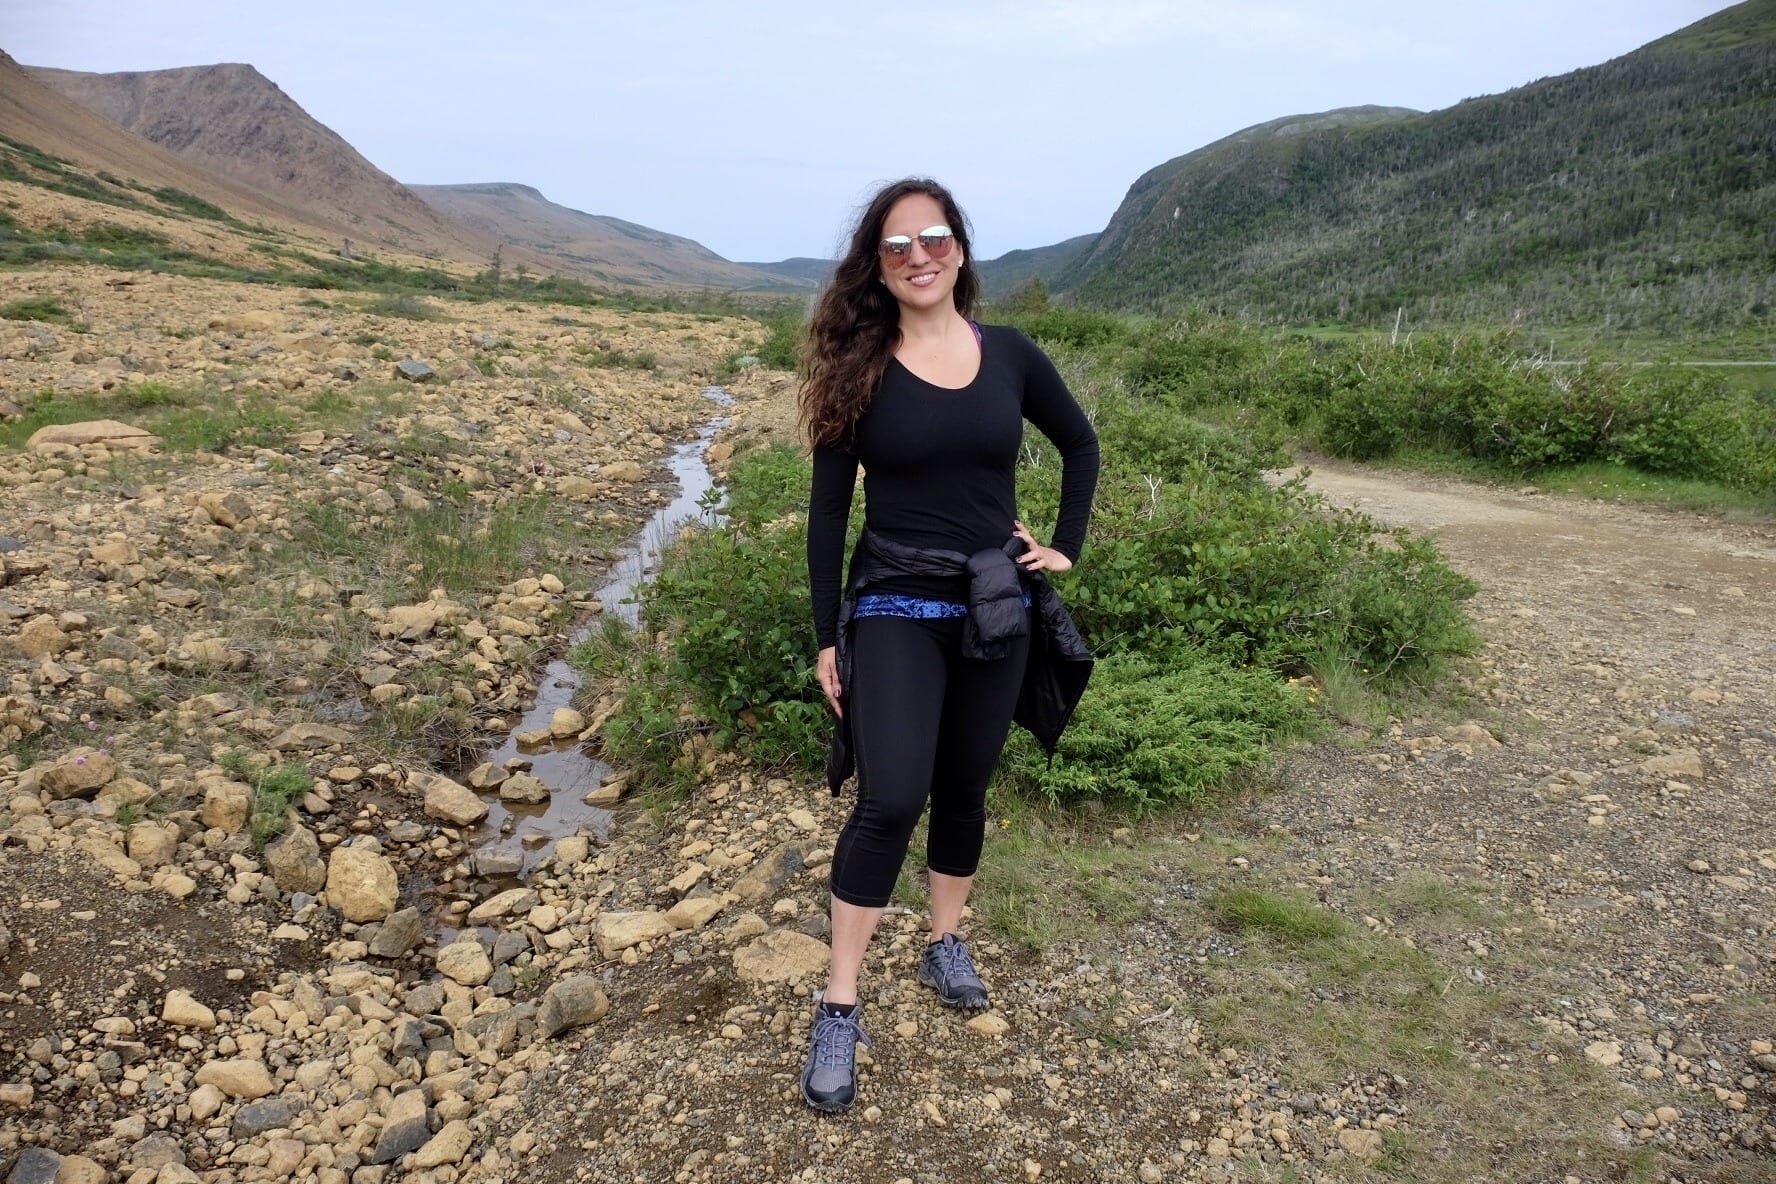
{"x": 514, "y": 836}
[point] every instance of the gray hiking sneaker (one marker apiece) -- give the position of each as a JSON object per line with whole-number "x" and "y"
{"x": 829, "y": 1079}
{"x": 949, "y": 971}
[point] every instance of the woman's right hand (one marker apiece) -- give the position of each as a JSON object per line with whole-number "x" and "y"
{"x": 827, "y": 670}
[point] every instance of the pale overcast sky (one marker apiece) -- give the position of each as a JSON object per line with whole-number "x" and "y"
{"x": 758, "y": 128}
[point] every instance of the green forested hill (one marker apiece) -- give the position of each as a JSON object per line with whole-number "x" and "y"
{"x": 1637, "y": 194}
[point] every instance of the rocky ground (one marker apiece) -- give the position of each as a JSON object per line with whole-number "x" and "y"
{"x": 1567, "y": 863}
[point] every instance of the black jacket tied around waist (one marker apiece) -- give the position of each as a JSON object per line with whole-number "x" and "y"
{"x": 1059, "y": 665}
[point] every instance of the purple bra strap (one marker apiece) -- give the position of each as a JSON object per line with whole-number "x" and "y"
{"x": 978, "y": 344}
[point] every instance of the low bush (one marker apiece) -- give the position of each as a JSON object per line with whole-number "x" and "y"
{"x": 779, "y": 349}
{"x": 1158, "y": 729}
{"x": 1488, "y": 397}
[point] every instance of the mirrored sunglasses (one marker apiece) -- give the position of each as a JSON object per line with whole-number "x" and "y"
{"x": 936, "y": 240}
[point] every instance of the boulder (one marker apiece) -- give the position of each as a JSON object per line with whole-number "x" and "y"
{"x": 466, "y": 962}
{"x": 616, "y": 932}
{"x": 608, "y": 794}
{"x": 572, "y": 851}
{"x": 362, "y": 884}
{"x": 523, "y": 789}
{"x": 267, "y": 1114}
{"x": 781, "y": 956}
{"x": 1684, "y": 762}
{"x": 78, "y": 1169}
{"x": 405, "y": 1127}
{"x": 227, "y": 805}
{"x": 768, "y": 876}
{"x": 79, "y": 774}
{"x": 228, "y": 508}
{"x": 570, "y": 1003}
{"x": 41, "y": 637}
{"x": 108, "y": 432}
{"x": 152, "y": 844}
{"x": 240, "y": 1078}
{"x": 447, "y": 1146}
{"x": 693, "y": 912}
{"x": 311, "y": 736}
{"x": 398, "y": 935}
{"x": 504, "y": 904}
{"x": 447, "y": 800}
{"x": 254, "y": 321}
{"x": 410, "y": 622}
{"x": 34, "y": 1165}
{"x": 181, "y": 1010}
{"x": 414, "y": 370}
{"x": 295, "y": 862}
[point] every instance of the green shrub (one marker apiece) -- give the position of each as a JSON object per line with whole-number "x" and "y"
{"x": 735, "y": 605}
{"x": 767, "y": 484}
{"x": 1685, "y": 424}
{"x": 1071, "y": 328}
{"x": 1158, "y": 729}
{"x": 275, "y": 789}
{"x": 190, "y": 203}
{"x": 779, "y": 349}
{"x": 1366, "y": 421}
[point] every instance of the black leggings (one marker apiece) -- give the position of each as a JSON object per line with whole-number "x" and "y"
{"x": 925, "y": 723}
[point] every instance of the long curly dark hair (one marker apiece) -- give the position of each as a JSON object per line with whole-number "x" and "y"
{"x": 856, "y": 324}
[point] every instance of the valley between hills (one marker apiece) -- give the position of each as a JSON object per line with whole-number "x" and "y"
{"x": 291, "y": 532}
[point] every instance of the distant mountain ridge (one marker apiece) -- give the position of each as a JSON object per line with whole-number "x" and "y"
{"x": 1014, "y": 269}
{"x": 799, "y": 267}
{"x": 1637, "y": 193}
{"x": 594, "y": 247}
{"x": 263, "y": 152}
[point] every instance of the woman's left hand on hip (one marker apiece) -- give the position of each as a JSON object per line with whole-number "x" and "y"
{"x": 1039, "y": 557}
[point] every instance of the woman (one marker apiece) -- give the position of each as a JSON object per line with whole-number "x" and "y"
{"x": 897, "y": 378}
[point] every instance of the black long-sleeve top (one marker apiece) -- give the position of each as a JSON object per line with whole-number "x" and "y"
{"x": 940, "y": 464}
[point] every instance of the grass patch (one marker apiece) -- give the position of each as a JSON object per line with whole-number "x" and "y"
{"x": 1331, "y": 1001}
{"x": 1292, "y": 918}
{"x": 1049, "y": 876}
{"x": 41, "y": 308}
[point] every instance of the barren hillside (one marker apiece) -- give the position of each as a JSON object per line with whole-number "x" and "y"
{"x": 35, "y": 114}
{"x": 232, "y": 121}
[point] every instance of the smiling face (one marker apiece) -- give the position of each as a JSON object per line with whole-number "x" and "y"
{"x": 915, "y": 279}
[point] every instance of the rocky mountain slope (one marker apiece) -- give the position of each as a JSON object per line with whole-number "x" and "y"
{"x": 232, "y": 121}
{"x": 35, "y": 115}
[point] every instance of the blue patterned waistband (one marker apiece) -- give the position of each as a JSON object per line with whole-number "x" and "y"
{"x": 888, "y": 604}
